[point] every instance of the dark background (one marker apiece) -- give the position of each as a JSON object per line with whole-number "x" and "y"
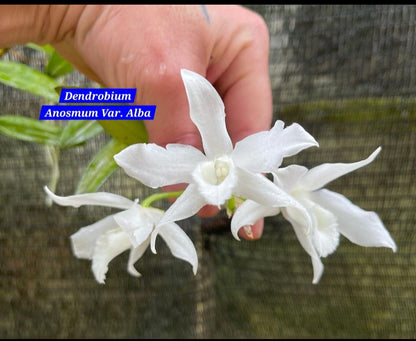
{"x": 347, "y": 75}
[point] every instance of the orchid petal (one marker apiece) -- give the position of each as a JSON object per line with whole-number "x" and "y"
{"x": 98, "y": 199}
{"x": 319, "y": 176}
{"x": 294, "y": 139}
{"x": 179, "y": 244}
{"x": 108, "y": 246}
{"x": 325, "y": 236}
{"x": 185, "y": 206}
{"x": 248, "y": 213}
{"x": 306, "y": 242}
{"x": 156, "y": 166}
{"x": 83, "y": 241}
{"x": 154, "y": 214}
{"x": 361, "y": 227}
{"x": 288, "y": 177}
{"x": 135, "y": 223}
{"x": 258, "y": 188}
{"x": 254, "y": 151}
{"x": 263, "y": 152}
{"x": 135, "y": 254}
{"x": 207, "y": 112}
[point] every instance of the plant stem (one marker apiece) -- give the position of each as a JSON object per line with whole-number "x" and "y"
{"x": 159, "y": 196}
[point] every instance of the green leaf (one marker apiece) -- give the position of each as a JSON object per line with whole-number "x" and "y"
{"x": 31, "y": 130}
{"x": 3, "y": 51}
{"x": 58, "y": 66}
{"x": 126, "y": 131}
{"x": 100, "y": 167}
{"x": 77, "y": 132}
{"x": 25, "y": 78}
{"x": 48, "y": 49}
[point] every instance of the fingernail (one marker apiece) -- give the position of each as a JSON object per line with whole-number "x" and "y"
{"x": 248, "y": 231}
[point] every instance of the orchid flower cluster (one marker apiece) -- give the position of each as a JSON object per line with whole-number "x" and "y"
{"x": 217, "y": 175}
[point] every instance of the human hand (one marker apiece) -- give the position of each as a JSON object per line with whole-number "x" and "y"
{"x": 145, "y": 47}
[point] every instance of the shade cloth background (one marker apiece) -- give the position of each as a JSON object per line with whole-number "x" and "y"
{"x": 347, "y": 74}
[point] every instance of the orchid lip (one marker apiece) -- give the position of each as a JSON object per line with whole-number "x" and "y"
{"x": 216, "y": 171}
{"x": 216, "y": 179}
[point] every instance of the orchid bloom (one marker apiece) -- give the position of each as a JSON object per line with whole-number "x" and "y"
{"x": 128, "y": 229}
{"x": 332, "y": 214}
{"x": 221, "y": 171}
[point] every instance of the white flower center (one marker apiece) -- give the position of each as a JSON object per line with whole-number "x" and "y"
{"x": 216, "y": 179}
{"x": 215, "y": 172}
{"x": 324, "y": 235}
{"x": 221, "y": 170}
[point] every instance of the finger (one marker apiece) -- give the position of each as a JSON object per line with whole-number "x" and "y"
{"x": 245, "y": 88}
{"x": 240, "y": 74}
{"x": 208, "y": 211}
{"x": 252, "y": 232}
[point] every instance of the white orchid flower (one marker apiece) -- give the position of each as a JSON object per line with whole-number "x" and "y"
{"x": 128, "y": 229}
{"x": 221, "y": 171}
{"x": 332, "y": 214}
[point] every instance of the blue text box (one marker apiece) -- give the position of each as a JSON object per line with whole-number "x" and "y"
{"x": 97, "y": 112}
{"x": 70, "y": 95}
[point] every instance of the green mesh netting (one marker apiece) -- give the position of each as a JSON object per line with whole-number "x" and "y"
{"x": 347, "y": 75}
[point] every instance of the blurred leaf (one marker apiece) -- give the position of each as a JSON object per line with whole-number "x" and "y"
{"x": 352, "y": 110}
{"x": 43, "y": 48}
{"x": 58, "y": 66}
{"x": 100, "y": 167}
{"x": 3, "y": 51}
{"x": 59, "y": 88}
{"x": 127, "y": 131}
{"x": 25, "y": 78}
{"x": 52, "y": 160}
{"x": 31, "y": 130}
{"x": 78, "y": 131}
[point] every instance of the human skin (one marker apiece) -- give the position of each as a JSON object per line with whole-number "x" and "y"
{"x": 145, "y": 46}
